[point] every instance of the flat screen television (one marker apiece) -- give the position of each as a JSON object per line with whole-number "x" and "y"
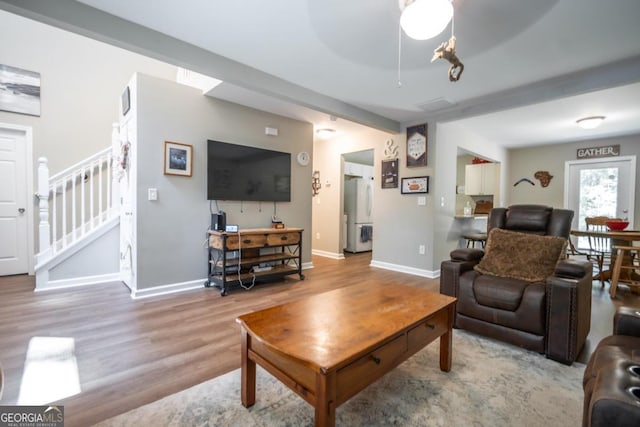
{"x": 240, "y": 172}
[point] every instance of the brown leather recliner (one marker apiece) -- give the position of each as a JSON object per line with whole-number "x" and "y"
{"x": 612, "y": 377}
{"x": 549, "y": 314}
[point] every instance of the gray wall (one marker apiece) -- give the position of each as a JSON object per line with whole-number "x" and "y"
{"x": 524, "y": 162}
{"x": 171, "y": 231}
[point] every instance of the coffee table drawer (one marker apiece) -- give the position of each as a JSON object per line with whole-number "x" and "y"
{"x": 356, "y": 376}
{"x": 428, "y": 330}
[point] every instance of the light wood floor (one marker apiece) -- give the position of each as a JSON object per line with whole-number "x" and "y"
{"x": 132, "y": 352}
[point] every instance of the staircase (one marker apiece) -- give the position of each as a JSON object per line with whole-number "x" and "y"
{"x": 79, "y": 216}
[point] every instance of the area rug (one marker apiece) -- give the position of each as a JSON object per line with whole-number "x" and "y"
{"x": 490, "y": 384}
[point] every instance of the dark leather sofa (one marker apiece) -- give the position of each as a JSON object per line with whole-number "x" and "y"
{"x": 550, "y": 314}
{"x": 612, "y": 377}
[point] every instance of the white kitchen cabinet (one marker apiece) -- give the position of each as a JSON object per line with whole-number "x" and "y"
{"x": 482, "y": 179}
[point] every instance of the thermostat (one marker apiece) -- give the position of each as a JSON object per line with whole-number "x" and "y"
{"x": 232, "y": 228}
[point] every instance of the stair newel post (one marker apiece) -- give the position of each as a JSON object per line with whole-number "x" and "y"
{"x": 115, "y": 154}
{"x": 44, "y": 229}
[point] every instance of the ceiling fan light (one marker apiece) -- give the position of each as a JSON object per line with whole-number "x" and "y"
{"x": 425, "y": 19}
{"x": 590, "y": 122}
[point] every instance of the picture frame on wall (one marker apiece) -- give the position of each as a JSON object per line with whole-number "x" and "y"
{"x": 19, "y": 90}
{"x": 389, "y": 173}
{"x": 178, "y": 158}
{"x": 417, "y": 146}
{"x": 416, "y": 184}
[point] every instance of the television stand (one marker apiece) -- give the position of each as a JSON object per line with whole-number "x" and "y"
{"x": 253, "y": 255}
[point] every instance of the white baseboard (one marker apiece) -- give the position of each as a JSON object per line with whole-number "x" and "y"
{"x": 77, "y": 281}
{"x": 326, "y": 254}
{"x": 405, "y": 269}
{"x": 167, "y": 289}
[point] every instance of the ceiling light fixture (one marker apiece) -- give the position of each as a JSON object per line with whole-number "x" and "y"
{"x": 325, "y": 132}
{"x": 425, "y": 19}
{"x": 590, "y": 122}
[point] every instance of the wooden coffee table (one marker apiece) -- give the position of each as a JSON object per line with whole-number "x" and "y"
{"x": 330, "y": 346}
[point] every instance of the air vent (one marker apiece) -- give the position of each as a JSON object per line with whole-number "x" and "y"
{"x": 436, "y": 105}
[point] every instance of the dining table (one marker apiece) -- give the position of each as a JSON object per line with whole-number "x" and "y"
{"x": 618, "y": 238}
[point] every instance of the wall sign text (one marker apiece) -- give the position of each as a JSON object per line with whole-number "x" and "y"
{"x": 595, "y": 152}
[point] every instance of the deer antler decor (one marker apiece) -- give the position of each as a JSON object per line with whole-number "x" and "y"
{"x": 447, "y": 50}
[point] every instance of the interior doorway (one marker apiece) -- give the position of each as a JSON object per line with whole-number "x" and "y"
{"x": 16, "y": 213}
{"x": 357, "y": 228}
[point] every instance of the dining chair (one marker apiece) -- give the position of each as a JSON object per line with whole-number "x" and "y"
{"x": 599, "y": 247}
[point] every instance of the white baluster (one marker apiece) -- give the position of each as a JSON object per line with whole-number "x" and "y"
{"x": 44, "y": 229}
{"x": 74, "y": 206}
{"x": 115, "y": 153}
{"x": 63, "y": 237}
{"x": 91, "y": 195}
{"x": 100, "y": 190}
{"x": 83, "y": 184}
{"x": 54, "y": 206}
{"x": 109, "y": 202}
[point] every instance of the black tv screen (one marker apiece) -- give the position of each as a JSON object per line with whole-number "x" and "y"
{"x": 239, "y": 172}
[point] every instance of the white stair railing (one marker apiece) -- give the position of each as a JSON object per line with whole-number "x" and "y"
{"x": 77, "y": 200}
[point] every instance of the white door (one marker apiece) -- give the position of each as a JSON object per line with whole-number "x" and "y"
{"x": 600, "y": 187}
{"x": 13, "y": 202}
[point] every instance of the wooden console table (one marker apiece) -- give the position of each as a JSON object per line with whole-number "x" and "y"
{"x": 251, "y": 255}
{"x": 317, "y": 348}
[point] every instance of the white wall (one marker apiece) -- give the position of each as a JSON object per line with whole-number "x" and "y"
{"x": 171, "y": 231}
{"x": 81, "y": 80}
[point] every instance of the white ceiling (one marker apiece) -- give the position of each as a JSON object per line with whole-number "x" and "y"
{"x": 531, "y": 67}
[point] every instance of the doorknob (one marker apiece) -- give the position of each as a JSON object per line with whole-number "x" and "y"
{"x": 21, "y": 210}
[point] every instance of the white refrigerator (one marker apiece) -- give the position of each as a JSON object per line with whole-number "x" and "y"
{"x": 358, "y": 207}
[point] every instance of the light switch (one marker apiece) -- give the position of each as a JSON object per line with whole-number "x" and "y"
{"x": 422, "y": 201}
{"x": 152, "y": 194}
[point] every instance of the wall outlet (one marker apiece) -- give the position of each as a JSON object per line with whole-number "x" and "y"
{"x": 421, "y": 249}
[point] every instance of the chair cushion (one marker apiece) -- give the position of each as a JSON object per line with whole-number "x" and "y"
{"x": 521, "y": 255}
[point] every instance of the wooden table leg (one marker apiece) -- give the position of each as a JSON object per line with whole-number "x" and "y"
{"x": 248, "y": 372}
{"x": 446, "y": 343}
{"x": 325, "y": 409}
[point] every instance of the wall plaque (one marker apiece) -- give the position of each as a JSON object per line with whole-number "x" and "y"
{"x": 595, "y": 152}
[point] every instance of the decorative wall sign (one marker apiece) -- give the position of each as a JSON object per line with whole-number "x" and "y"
{"x": 418, "y": 184}
{"x": 596, "y": 152}
{"x": 19, "y": 90}
{"x": 417, "y": 145}
{"x": 389, "y": 173}
{"x": 178, "y": 158}
{"x": 390, "y": 149}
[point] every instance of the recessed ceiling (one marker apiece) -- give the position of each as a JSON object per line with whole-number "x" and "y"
{"x": 340, "y": 57}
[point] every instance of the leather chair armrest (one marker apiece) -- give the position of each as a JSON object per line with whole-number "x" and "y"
{"x": 465, "y": 254}
{"x": 627, "y": 321}
{"x": 573, "y": 269}
{"x": 450, "y": 272}
{"x": 568, "y": 316}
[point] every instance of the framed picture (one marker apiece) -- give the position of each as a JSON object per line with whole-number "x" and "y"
{"x": 178, "y": 158}
{"x": 389, "y": 173}
{"x": 417, "y": 184}
{"x": 417, "y": 146}
{"x": 19, "y": 90}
